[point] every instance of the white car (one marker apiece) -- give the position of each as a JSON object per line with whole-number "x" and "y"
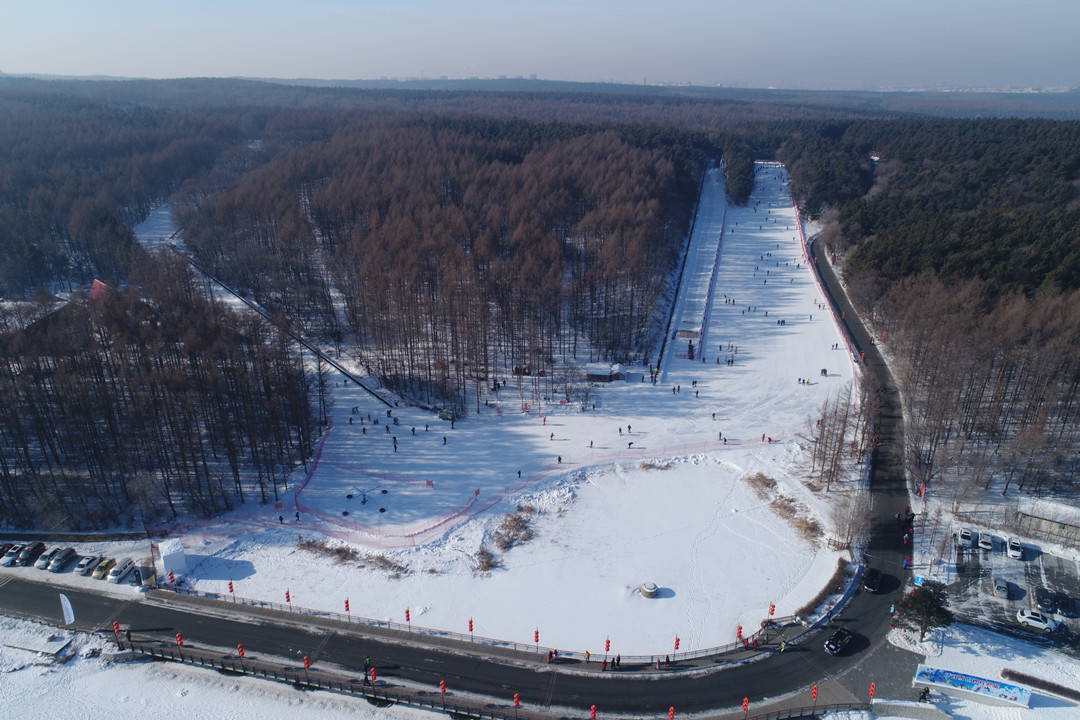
{"x": 88, "y": 563}
{"x": 965, "y": 539}
{"x": 1014, "y": 549}
{"x": 10, "y": 555}
{"x": 986, "y": 541}
{"x": 1038, "y": 621}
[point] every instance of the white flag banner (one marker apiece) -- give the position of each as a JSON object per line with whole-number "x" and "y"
{"x": 69, "y": 614}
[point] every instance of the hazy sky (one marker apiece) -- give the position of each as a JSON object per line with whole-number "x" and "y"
{"x": 757, "y": 43}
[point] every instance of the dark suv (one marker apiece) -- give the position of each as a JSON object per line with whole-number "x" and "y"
{"x": 838, "y": 641}
{"x": 871, "y": 580}
{"x": 30, "y": 553}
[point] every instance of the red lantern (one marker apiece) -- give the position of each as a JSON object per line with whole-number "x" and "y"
{"x": 738, "y": 633}
{"x": 592, "y": 712}
{"x": 671, "y": 713}
{"x": 231, "y": 587}
{"x": 772, "y": 609}
{"x": 470, "y": 626}
{"x": 407, "y": 615}
{"x": 745, "y": 704}
{"x": 307, "y": 663}
{"x": 116, "y": 627}
{"x": 517, "y": 700}
{"x": 676, "y": 642}
{"x": 288, "y": 598}
{"x": 536, "y": 635}
{"x": 872, "y": 688}
{"x": 607, "y": 645}
{"x": 813, "y": 692}
{"x": 179, "y": 640}
{"x": 442, "y": 686}
{"x": 373, "y": 675}
{"x": 240, "y": 650}
{"x": 172, "y": 578}
{"x": 346, "y": 604}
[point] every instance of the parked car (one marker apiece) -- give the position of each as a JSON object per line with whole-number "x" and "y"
{"x": 1014, "y": 549}
{"x": 4, "y": 547}
{"x": 1038, "y": 621}
{"x": 10, "y": 556}
{"x": 62, "y": 559}
{"x": 838, "y": 641}
{"x": 121, "y": 569}
{"x": 1066, "y": 606}
{"x": 986, "y": 542}
{"x": 1001, "y": 588}
{"x": 965, "y": 538}
{"x": 30, "y": 553}
{"x": 87, "y": 563}
{"x": 103, "y": 568}
{"x": 46, "y": 557}
{"x": 1044, "y": 600}
{"x": 871, "y": 580}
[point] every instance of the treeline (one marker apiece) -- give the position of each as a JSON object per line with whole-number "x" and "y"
{"x": 962, "y": 241}
{"x": 147, "y": 403}
{"x": 462, "y": 251}
{"x": 76, "y": 174}
{"x": 81, "y": 162}
{"x": 993, "y": 200}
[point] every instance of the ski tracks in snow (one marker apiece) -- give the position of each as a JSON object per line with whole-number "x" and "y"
{"x": 699, "y": 605}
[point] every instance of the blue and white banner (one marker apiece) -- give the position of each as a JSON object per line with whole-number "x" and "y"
{"x": 980, "y": 687}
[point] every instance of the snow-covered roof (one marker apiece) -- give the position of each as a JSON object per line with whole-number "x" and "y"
{"x": 603, "y": 368}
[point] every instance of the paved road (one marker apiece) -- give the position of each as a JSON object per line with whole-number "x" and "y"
{"x": 704, "y": 684}
{"x": 891, "y": 669}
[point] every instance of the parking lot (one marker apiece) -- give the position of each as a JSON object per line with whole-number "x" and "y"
{"x": 972, "y": 592}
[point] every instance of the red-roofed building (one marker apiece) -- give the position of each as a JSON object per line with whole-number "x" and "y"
{"x": 99, "y": 290}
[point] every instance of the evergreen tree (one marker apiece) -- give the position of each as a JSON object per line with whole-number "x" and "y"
{"x": 925, "y": 608}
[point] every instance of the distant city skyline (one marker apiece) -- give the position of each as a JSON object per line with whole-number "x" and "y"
{"x": 826, "y": 44}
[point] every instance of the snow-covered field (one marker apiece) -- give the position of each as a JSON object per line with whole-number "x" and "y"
{"x": 673, "y": 509}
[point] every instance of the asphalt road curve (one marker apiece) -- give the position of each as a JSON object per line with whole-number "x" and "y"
{"x": 703, "y": 684}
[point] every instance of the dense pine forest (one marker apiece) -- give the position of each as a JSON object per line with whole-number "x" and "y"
{"x": 75, "y": 175}
{"x": 151, "y": 400}
{"x": 461, "y": 252}
{"x": 961, "y": 241}
{"x": 450, "y": 240}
